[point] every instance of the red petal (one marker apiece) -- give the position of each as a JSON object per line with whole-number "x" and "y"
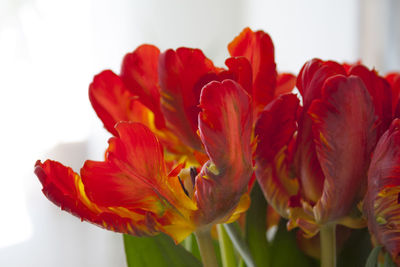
{"x": 133, "y": 175}
{"x": 258, "y": 48}
{"x": 381, "y": 203}
{"x": 274, "y": 131}
{"x": 225, "y": 125}
{"x": 111, "y": 100}
{"x": 139, "y": 72}
{"x": 64, "y": 187}
{"x": 309, "y": 82}
{"x": 381, "y": 94}
{"x": 241, "y": 69}
{"x": 285, "y": 83}
{"x": 129, "y": 192}
{"x": 344, "y": 134}
{"x": 312, "y": 77}
{"x": 394, "y": 81}
{"x": 180, "y": 76}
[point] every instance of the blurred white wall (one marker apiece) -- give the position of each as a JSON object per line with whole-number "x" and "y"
{"x": 49, "y": 52}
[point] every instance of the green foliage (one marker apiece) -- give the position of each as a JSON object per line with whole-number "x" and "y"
{"x": 355, "y": 250}
{"x": 373, "y": 257}
{"x": 283, "y": 250}
{"x": 157, "y": 251}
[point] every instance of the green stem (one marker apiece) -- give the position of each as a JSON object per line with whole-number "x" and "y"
{"x": 226, "y": 247}
{"x": 240, "y": 244}
{"x": 328, "y": 245}
{"x": 206, "y": 247}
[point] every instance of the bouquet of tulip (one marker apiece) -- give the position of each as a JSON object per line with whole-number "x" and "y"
{"x": 228, "y": 167}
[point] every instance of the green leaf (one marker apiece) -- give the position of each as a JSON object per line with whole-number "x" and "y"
{"x": 191, "y": 246}
{"x": 388, "y": 261}
{"x": 157, "y": 251}
{"x": 355, "y": 250}
{"x": 285, "y": 252}
{"x": 256, "y": 228}
{"x": 373, "y": 257}
{"x": 228, "y": 256}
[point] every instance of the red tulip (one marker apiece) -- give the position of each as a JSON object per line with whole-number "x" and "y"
{"x": 312, "y": 160}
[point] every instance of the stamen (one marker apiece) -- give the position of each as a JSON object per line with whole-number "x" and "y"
{"x": 183, "y": 187}
{"x": 193, "y": 174}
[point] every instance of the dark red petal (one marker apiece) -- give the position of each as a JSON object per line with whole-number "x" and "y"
{"x": 139, "y": 72}
{"x": 133, "y": 175}
{"x": 381, "y": 204}
{"x": 111, "y": 100}
{"x": 258, "y": 48}
{"x": 394, "y": 81}
{"x": 64, "y": 187}
{"x": 381, "y": 94}
{"x": 344, "y": 134}
{"x": 225, "y": 125}
{"x": 285, "y": 83}
{"x": 312, "y": 77}
{"x": 241, "y": 69}
{"x": 274, "y": 131}
{"x": 309, "y": 82}
{"x": 180, "y": 74}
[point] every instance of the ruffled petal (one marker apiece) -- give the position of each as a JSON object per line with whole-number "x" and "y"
{"x": 309, "y": 82}
{"x": 381, "y": 94}
{"x": 139, "y": 72}
{"x": 134, "y": 174}
{"x": 258, "y": 48}
{"x": 312, "y": 77}
{"x": 225, "y": 126}
{"x": 180, "y": 77}
{"x": 113, "y": 102}
{"x": 274, "y": 131}
{"x": 64, "y": 187}
{"x": 381, "y": 204}
{"x": 131, "y": 185}
{"x": 344, "y": 128}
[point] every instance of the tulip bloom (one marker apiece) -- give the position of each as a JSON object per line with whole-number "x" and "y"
{"x": 381, "y": 203}
{"x": 312, "y": 160}
{"x": 131, "y": 191}
{"x": 198, "y": 114}
{"x": 162, "y": 90}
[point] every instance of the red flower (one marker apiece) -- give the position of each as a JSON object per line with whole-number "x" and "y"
{"x": 200, "y": 114}
{"x": 162, "y": 90}
{"x": 381, "y": 204}
{"x": 311, "y": 161}
{"x": 132, "y": 192}
{"x": 382, "y": 201}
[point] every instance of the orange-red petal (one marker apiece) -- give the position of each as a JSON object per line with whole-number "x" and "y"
{"x": 225, "y": 126}
{"x": 285, "y": 83}
{"x": 258, "y": 48}
{"x": 180, "y": 77}
{"x": 64, "y": 187}
{"x": 111, "y": 100}
{"x": 139, "y": 72}
{"x": 381, "y": 204}
{"x": 344, "y": 127}
{"x": 274, "y": 131}
{"x": 131, "y": 185}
